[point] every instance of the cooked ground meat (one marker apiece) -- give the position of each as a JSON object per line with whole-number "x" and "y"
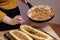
{"x": 41, "y": 13}
{"x": 33, "y": 32}
{"x": 21, "y": 36}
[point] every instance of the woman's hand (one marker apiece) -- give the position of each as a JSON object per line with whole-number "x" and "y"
{"x": 18, "y": 20}
{"x": 13, "y": 21}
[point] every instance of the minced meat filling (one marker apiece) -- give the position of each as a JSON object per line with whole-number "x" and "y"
{"x": 21, "y": 36}
{"x": 41, "y": 13}
{"x": 32, "y": 31}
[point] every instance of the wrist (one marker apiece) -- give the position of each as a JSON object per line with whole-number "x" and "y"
{"x": 8, "y": 20}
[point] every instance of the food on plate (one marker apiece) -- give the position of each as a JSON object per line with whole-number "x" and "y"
{"x": 40, "y": 12}
{"x": 34, "y": 33}
{"x": 18, "y": 35}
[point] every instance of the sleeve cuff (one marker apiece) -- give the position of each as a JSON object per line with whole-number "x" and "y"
{"x": 2, "y": 14}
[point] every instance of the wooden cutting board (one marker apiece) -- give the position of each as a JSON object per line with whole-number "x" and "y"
{"x": 50, "y": 31}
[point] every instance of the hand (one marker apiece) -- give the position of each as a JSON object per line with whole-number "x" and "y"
{"x": 24, "y": 1}
{"x": 13, "y": 21}
{"x": 18, "y": 20}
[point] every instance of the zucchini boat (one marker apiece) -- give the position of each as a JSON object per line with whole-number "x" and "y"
{"x": 18, "y": 35}
{"x": 34, "y": 33}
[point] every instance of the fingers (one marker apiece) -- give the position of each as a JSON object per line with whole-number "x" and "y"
{"x": 18, "y": 19}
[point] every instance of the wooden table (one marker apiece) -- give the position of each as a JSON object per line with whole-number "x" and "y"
{"x": 56, "y": 28}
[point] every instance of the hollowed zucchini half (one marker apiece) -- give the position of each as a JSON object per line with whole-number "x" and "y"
{"x": 18, "y": 35}
{"x": 34, "y": 33}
